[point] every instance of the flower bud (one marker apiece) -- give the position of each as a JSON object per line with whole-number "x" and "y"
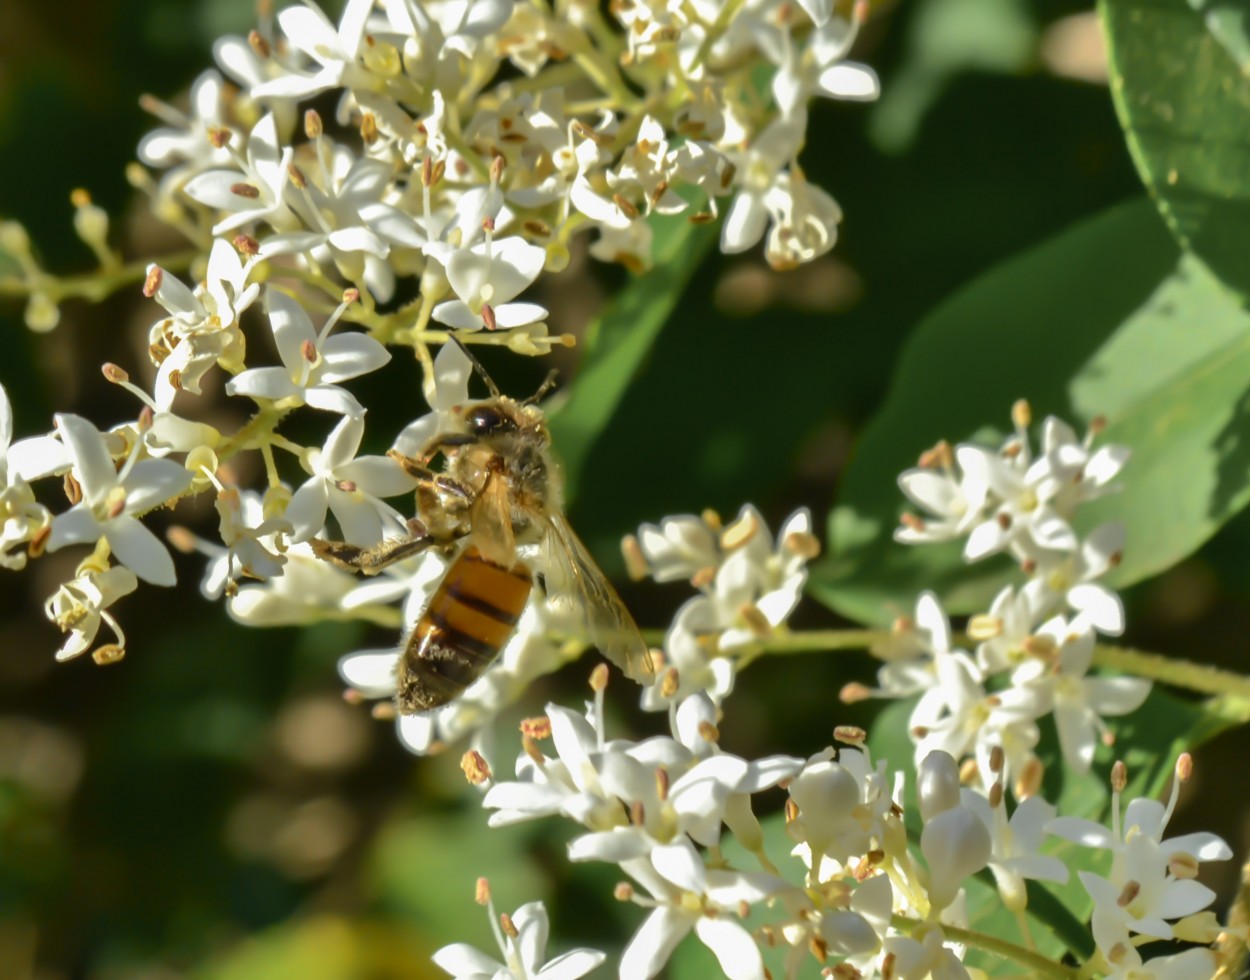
{"x": 937, "y": 785}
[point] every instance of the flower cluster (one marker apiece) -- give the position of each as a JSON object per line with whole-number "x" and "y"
{"x": 1035, "y": 645}
{"x": 748, "y": 584}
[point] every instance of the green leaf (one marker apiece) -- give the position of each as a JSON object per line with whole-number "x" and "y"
{"x": 1107, "y": 319}
{"x": 1181, "y": 82}
{"x": 619, "y": 339}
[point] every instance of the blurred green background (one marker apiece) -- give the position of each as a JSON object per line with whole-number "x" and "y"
{"x": 210, "y": 807}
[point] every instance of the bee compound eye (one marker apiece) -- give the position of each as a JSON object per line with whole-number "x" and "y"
{"x": 484, "y": 420}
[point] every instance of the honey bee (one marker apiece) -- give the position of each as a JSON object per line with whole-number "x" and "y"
{"x": 499, "y": 488}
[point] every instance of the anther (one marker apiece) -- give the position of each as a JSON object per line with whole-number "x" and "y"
{"x": 219, "y": 136}
{"x": 1029, "y": 779}
{"x": 508, "y": 926}
{"x": 635, "y": 560}
{"x": 1004, "y": 520}
{"x": 1119, "y": 776}
{"x": 297, "y": 177}
{"x": 481, "y": 891}
{"x": 668, "y": 686}
{"x": 599, "y": 677}
{"x": 911, "y": 521}
{"x": 153, "y": 281}
{"x": 369, "y": 128}
{"x": 488, "y": 317}
{"x": 661, "y": 783}
{"x": 1184, "y": 767}
{"x": 623, "y": 892}
{"x": 475, "y": 767}
{"x": 637, "y": 814}
{"x": 246, "y": 244}
{"x": 850, "y": 735}
{"x": 983, "y": 627}
{"x": 110, "y": 653}
{"x": 258, "y": 44}
{"x": 854, "y": 692}
{"x": 246, "y": 190}
{"x": 114, "y": 373}
{"x": 308, "y": 350}
{"x": 1022, "y": 414}
{"x": 312, "y": 124}
{"x": 739, "y": 532}
{"x": 1131, "y": 890}
{"x": 802, "y": 544}
{"x": 536, "y": 728}
{"x": 709, "y": 732}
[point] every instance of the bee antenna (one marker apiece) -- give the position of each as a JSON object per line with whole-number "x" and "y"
{"x": 477, "y": 365}
{"x": 543, "y": 388}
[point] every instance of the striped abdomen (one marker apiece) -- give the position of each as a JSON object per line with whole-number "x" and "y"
{"x": 466, "y": 623}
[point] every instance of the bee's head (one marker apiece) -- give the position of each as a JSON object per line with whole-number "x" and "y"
{"x": 487, "y": 419}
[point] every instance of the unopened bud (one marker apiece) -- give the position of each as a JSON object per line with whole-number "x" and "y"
{"x": 42, "y": 314}
{"x": 14, "y": 239}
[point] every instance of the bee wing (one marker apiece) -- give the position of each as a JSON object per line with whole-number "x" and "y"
{"x": 490, "y": 517}
{"x": 608, "y": 624}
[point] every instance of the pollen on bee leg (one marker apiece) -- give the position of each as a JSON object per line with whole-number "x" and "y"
{"x": 475, "y": 767}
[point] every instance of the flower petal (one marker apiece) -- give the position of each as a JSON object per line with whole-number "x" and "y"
{"x": 140, "y": 550}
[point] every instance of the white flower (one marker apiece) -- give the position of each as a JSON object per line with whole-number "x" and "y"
{"x": 184, "y": 143}
{"x": 21, "y": 516}
{"x": 350, "y": 487}
{"x": 79, "y": 606}
{"x": 685, "y": 896}
{"x": 1080, "y": 702}
{"x": 310, "y": 32}
{"x": 1016, "y": 844}
{"x": 679, "y": 547}
{"x": 1152, "y": 877}
{"x": 312, "y": 363}
{"x": 804, "y": 221}
{"x": 202, "y": 328}
{"x": 253, "y": 545}
{"x": 523, "y": 947}
{"x": 758, "y": 174}
{"x": 309, "y": 590}
{"x": 446, "y": 390}
{"x": 112, "y": 499}
{"x": 954, "y": 497}
{"x": 490, "y": 275}
{"x": 256, "y": 192}
{"x": 820, "y": 69}
{"x": 1072, "y": 577}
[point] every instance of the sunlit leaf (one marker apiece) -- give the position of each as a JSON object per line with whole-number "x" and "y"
{"x": 1181, "y": 89}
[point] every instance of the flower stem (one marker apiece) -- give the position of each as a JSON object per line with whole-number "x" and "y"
{"x": 97, "y": 285}
{"x": 1037, "y": 964}
{"x": 1153, "y": 666}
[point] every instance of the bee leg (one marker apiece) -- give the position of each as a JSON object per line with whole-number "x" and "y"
{"x": 370, "y": 561}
